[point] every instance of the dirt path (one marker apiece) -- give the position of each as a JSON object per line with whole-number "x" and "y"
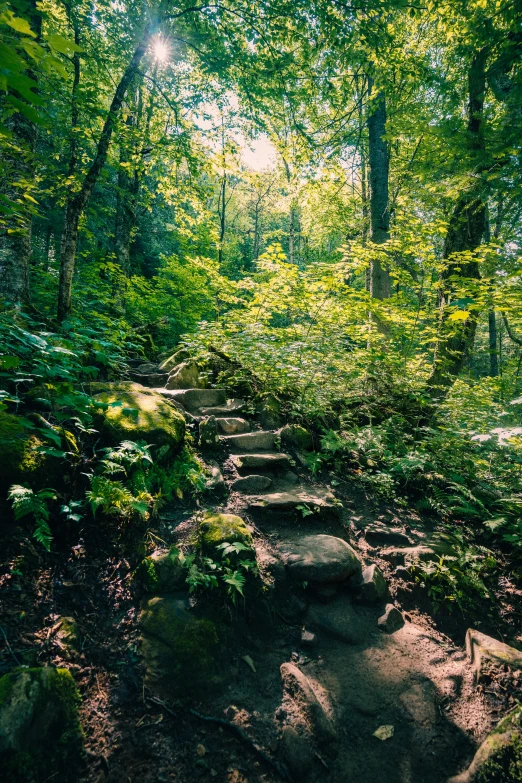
{"x": 412, "y": 686}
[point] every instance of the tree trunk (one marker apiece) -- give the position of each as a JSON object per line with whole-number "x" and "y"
{"x": 465, "y": 231}
{"x": 493, "y": 353}
{"x": 128, "y": 186}
{"x": 379, "y": 164}
{"x": 18, "y": 164}
{"x": 77, "y": 203}
{"x": 222, "y": 216}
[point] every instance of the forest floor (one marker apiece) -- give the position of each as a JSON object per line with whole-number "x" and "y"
{"x": 416, "y": 680}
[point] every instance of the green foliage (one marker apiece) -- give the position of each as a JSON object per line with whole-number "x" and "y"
{"x": 227, "y": 574}
{"x": 25, "y": 503}
{"x": 460, "y": 577}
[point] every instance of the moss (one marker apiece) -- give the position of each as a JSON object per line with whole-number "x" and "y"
{"x": 20, "y": 457}
{"x": 140, "y": 415}
{"x": 504, "y": 765}
{"x": 296, "y": 437}
{"x": 217, "y": 529}
{"x": 40, "y": 731}
{"x": 179, "y": 649}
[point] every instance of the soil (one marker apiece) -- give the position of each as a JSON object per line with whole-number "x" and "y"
{"x": 416, "y": 680}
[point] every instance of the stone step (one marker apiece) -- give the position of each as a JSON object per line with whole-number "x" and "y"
{"x": 232, "y": 426}
{"x": 149, "y": 379}
{"x": 246, "y": 463}
{"x": 195, "y": 399}
{"x": 230, "y": 408}
{"x": 319, "y": 501}
{"x": 251, "y": 441}
{"x": 249, "y": 485}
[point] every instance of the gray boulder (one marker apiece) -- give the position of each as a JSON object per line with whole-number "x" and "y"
{"x": 392, "y": 619}
{"x": 372, "y": 586}
{"x": 251, "y": 484}
{"x": 185, "y": 376}
{"x": 322, "y": 558}
{"x": 293, "y": 436}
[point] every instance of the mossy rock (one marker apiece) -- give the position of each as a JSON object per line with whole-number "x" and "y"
{"x": 141, "y": 415}
{"x": 67, "y": 634}
{"x": 499, "y": 758}
{"x": 20, "y": 458}
{"x": 161, "y": 572}
{"x": 179, "y": 650}
{"x": 216, "y": 529}
{"x": 296, "y": 437}
{"x": 97, "y": 387}
{"x": 40, "y": 732}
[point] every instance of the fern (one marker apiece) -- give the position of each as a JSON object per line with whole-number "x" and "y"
{"x": 25, "y": 503}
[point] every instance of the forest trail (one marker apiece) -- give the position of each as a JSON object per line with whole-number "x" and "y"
{"x": 328, "y": 679}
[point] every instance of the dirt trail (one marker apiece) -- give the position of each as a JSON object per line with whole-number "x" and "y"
{"x": 413, "y": 682}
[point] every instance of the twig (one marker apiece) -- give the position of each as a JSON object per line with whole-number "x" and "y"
{"x": 9, "y": 646}
{"x": 245, "y": 739}
{"x": 292, "y": 625}
{"x": 323, "y": 762}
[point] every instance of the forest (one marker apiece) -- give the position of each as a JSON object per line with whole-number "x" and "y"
{"x": 261, "y": 391}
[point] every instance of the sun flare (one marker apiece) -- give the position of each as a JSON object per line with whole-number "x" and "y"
{"x": 161, "y": 50}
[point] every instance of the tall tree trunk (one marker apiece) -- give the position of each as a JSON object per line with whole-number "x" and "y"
{"x": 379, "y": 164}
{"x": 128, "y": 185}
{"x": 293, "y": 218}
{"x": 18, "y": 163}
{"x": 465, "y": 232}
{"x": 222, "y": 216}
{"x": 77, "y": 203}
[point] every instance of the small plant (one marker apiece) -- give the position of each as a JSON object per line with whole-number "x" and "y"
{"x": 36, "y": 504}
{"x": 230, "y": 572}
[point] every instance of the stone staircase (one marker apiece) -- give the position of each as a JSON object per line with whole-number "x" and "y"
{"x": 381, "y": 672}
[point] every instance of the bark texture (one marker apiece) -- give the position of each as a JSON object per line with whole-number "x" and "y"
{"x": 18, "y": 167}
{"x": 77, "y": 203}
{"x": 379, "y": 165}
{"x": 465, "y": 232}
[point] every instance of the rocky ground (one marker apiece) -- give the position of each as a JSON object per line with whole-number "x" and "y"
{"x": 320, "y": 675}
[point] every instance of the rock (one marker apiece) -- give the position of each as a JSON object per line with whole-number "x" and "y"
{"x": 499, "y": 758}
{"x": 268, "y": 413}
{"x": 147, "y": 368}
{"x": 161, "y": 572}
{"x": 372, "y": 587}
{"x": 295, "y": 437}
{"x": 480, "y": 646}
{"x": 378, "y": 535}
{"x": 217, "y": 529}
{"x": 40, "y": 733}
{"x": 139, "y": 415}
{"x": 168, "y": 364}
{"x": 230, "y": 408}
{"x": 419, "y": 702}
{"x": 314, "y": 501}
{"x": 215, "y": 482}
{"x": 321, "y": 558}
{"x": 208, "y": 433}
{"x": 196, "y": 399}
{"x": 297, "y": 753}
{"x": 299, "y": 689}
{"x": 251, "y": 441}
{"x": 308, "y": 639}
{"x": 179, "y": 650}
{"x": 67, "y": 634}
{"x": 295, "y": 608}
{"x": 324, "y": 593}
{"x": 338, "y": 620}
{"x": 251, "y": 484}
{"x": 391, "y": 620}
{"x": 185, "y": 376}
{"x": 149, "y": 380}
{"x": 232, "y": 426}
{"x": 20, "y": 456}
{"x": 272, "y": 462}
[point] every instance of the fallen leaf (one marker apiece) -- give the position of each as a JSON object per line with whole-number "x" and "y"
{"x": 235, "y": 776}
{"x": 201, "y": 750}
{"x": 249, "y": 662}
{"x": 384, "y": 732}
